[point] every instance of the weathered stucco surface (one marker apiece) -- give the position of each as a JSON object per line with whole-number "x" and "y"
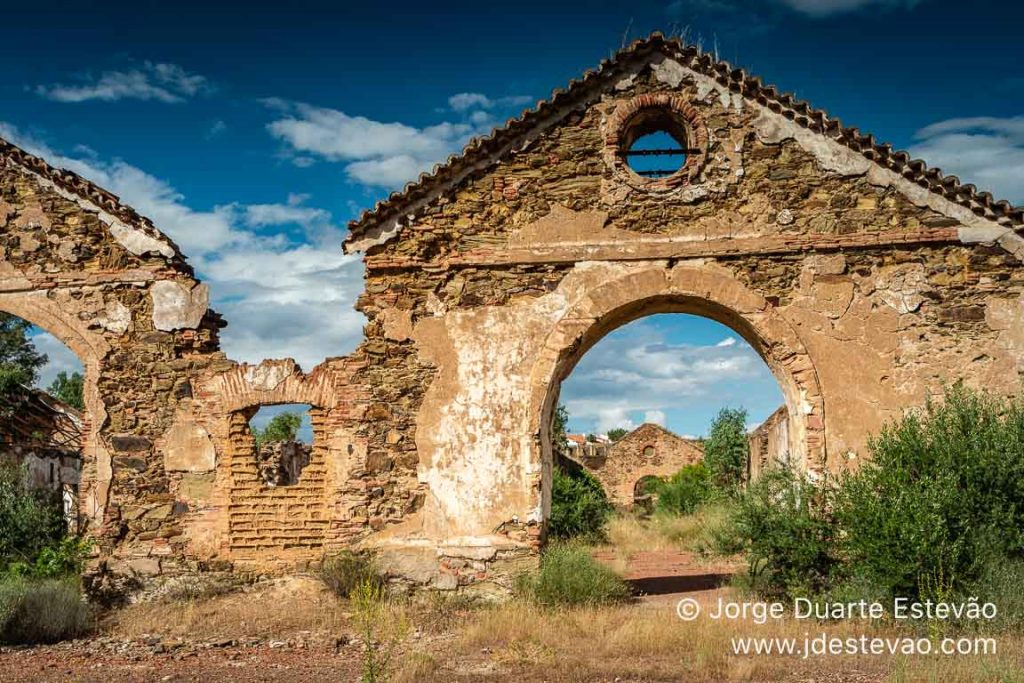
{"x": 861, "y": 280}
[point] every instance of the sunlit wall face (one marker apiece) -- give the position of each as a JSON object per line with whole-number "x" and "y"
{"x": 675, "y": 370}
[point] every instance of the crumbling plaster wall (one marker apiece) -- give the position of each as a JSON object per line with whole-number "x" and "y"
{"x": 769, "y": 444}
{"x": 122, "y": 299}
{"x": 862, "y": 292}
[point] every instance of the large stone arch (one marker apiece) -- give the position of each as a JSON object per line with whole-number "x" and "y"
{"x": 695, "y": 288}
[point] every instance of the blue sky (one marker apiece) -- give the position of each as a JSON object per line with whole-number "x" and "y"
{"x": 252, "y": 134}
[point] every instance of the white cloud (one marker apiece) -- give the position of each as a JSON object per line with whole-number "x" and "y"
{"x": 465, "y": 101}
{"x": 59, "y": 358}
{"x": 633, "y": 375}
{"x": 826, "y": 8}
{"x": 281, "y": 298}
{"x": 152, "y": 81}
{"x": 377, "y": 153}
{"x": 984, "y": 150}
{"x": 469, "y": 100}
{"x": 728, "y": 341}
{"x": 655, "y": 417}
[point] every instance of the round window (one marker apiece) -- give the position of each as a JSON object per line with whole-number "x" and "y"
{"x": 649, "y": 451}
{"x": 655, "y": 143}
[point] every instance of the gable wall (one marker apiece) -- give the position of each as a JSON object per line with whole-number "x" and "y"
{"x": 627, "y": 461}
{"x": 883, "y": 295}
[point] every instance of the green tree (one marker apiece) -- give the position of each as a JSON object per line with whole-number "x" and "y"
{"x": 616, "y": 433}
{"x": 30, "y": 519}
{"x": 69, "y": 388}
{"x": 559, "y": 422}
{"x": 579, "y": 506}
{"x": 726, "y": 449}
{"x": 19, "y": 359}
{"x": 282, "y": 427}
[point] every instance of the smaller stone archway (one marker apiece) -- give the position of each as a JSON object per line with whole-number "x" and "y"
{"x": 600, "y": 305}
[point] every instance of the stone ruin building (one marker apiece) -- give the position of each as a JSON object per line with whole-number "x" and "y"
{"x": 864, "y": 278}
{"x": 281, "y": 462}
{"x": 769, "y": 444}
{"x": 650, "y": 450}
{"x": 43, "y": 436}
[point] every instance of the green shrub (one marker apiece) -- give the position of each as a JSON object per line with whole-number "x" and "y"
{"x": 64, "y": 558}
{"x": 579, "y": 506}
{"x": 43, "y": 611}
{"x": 783, "y": 523}
{"x": 1001, "y": 583}
{"x": 30, "y": 519}
{"x": 345, "y": 572}
{"x": 568, "y": 575}
{"x": 727, "y": 448}
{"x": 936, "y": 513}
{"x": 684, "y": 491}
{"x": 941, "y": 500}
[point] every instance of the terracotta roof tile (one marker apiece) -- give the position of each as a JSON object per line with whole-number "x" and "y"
{"x": 803, "y": 113}
{"x": 77, "y": 185}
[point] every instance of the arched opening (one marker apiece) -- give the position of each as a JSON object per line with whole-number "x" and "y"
{"x": 645, "y": 492}
{"x": 711, "y": 293}
{"x": 282, "y": 442}
{"x": 87, "y": 347}
{"x": 652, "y": 388}
{"x": 44, "y": 423}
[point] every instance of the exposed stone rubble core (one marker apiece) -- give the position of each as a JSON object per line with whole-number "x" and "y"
{"x": 863, "y": 279}
{"x": 281, "y": 462}
{"x": 650, "y": 450}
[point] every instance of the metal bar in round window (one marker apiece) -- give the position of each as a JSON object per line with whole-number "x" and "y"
{"x": 658, "y": 152}
{"x": 657, "y": 173}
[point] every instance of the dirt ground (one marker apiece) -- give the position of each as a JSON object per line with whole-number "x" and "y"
{"x": 293, "y": 630}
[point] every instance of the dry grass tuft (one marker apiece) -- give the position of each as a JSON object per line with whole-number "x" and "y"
{"x": 517, "y": 642}
{"x": 630, "y": 535}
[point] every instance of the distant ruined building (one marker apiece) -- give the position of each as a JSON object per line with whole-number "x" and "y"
{"x": 648, "y": 451}
{"x": 769, "y": 444}
{"x": 43, "y": 436}
{"x": 862, "y": 277}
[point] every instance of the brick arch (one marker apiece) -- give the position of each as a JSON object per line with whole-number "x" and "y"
{"x": 700, "y": 289}
{"x": 272, "y": 382}
{"x": 90, "y": 348}
{"x": 261, "y": 522}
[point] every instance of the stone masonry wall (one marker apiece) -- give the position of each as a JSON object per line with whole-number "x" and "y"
{"x": 648, "y": 451}
{"x": 862, "y": 290}
{"x": 769, "y": 444}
